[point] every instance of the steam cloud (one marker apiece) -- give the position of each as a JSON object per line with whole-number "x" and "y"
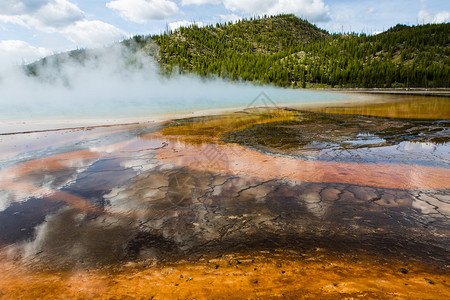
{"x": 116, "y": 82}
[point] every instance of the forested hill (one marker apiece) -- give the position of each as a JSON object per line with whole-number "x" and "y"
{"x": 287, "y": 51}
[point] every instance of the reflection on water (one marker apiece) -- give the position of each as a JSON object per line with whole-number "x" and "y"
{"x": 83, "y": 200}
{"x": 406, "y": 107}
{"x": 319, "y": 136}
{"x": 364, "y": 139}
{"x": 404, "y": 152}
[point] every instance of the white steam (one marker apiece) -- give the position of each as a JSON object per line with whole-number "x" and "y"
{"x": 117, "y": 83}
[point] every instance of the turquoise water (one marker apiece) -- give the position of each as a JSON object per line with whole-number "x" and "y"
{"x": 107, "y": 88}
{"x": 181, "y": 95}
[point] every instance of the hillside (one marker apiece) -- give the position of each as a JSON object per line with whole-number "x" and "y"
{"x": 244, "y": 50}
{"x": 287, "y": 51}
{"x": 115, "y": 57}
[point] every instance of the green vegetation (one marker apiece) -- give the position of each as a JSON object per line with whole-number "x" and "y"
{"x": 287, "y": 51}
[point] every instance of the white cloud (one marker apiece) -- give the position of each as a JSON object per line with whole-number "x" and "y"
{"x": 14, "y": 7}
{"x": 43, "y": 15}
{"x": 426, "y": 16}
{"x": 184, "y": 23}
{"x": 313, "y": 10}
{"x": 199, "y": 2}
{"x": 250, "y": 6}
{"x": 17, "y": 20}
{"x": 93, "y": 33}
{"x": 62, "y": 17}
{"x": 58, "y": 13}
{"x": 371, "y": 10}
{"x": 229, "y": 18}
{"x": 141, "y": 11}
{"x": 16, "y": 51}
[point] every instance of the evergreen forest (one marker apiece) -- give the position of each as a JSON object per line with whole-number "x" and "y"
{"x": 290, "y": 52}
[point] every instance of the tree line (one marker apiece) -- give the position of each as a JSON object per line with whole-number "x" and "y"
{"x": 290, "y": 52}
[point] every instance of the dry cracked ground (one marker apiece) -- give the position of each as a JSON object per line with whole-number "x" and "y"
{"x": 293, "y": 204}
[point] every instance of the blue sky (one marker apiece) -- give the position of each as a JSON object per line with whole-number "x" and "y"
{"x": 30, "y": 29}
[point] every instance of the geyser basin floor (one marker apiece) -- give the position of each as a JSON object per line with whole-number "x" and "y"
{"x": 309, "y": 274}
{"x": 352, "y": 206}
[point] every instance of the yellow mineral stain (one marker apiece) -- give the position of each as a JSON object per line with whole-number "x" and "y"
{"x": 213, "y": 127}
{"x": 435, "y": 108}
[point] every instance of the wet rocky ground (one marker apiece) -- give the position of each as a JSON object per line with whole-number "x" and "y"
{"x": 104, "y": 198}
{"x": 325, "y": 136}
